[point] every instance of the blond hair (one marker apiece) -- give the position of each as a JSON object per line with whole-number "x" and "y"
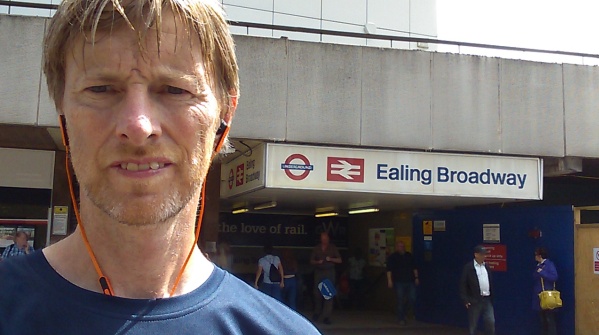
{"x": 85, "y": 18}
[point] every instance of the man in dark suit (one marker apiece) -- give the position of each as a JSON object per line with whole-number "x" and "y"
{"x": 476, "y": 292}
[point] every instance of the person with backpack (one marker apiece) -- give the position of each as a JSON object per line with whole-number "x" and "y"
{"x": 273, "y": 280}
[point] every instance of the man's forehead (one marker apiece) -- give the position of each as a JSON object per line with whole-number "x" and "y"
{"x": 174, "y": 55}
{"x": 173, "y": 41}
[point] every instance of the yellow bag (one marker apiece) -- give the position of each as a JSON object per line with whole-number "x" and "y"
{"x": 549, "y": 299}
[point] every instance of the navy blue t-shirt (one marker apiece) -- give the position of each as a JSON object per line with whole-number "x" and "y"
{"x": 35, "y": 299}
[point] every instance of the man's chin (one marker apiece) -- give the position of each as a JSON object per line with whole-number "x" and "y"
{"x": 139, "y": 208}
{"x": 141, "y": 213}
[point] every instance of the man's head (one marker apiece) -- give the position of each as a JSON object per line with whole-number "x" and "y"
{"x": 21, "y": 239}
{"x": 91, "y": 20}
{"x": 400, "y": 247}
{"x": 143, "y": 86}
{"x": 480, "y": 253}
{"x": 324, "y": 238}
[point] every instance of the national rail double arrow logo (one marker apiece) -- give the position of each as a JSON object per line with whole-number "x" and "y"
{"x": 240, "y": 174}
{"x": 345, "y": 169}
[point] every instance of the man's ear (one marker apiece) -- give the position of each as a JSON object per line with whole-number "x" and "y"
{"x": 225, "y": 121}
{"x": 230, "y": 108}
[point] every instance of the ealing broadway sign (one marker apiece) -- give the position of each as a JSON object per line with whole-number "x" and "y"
{"x": 397, "y": 172}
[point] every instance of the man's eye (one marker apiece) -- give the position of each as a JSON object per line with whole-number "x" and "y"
{"x": 98, "y": 89}
{"x": 175, "y": 90}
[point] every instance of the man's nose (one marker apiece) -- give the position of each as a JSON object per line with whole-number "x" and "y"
{"x": 138, "y": 120}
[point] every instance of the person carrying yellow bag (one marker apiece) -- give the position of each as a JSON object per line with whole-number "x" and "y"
{"x": 545, "y": 276}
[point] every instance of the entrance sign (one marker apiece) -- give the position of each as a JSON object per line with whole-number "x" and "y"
{"x": 60, "y": 219}
{"x": 491, "y": 233}
{"x": 497, "y": 257}
{"x": 243, "y": 174}
{"x": 399, "y": 172}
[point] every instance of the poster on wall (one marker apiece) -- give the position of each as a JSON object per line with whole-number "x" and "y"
{"x": 491, "y": 233}
{"x": 596, "y": 261}
{"x": 407, "y": 242}
{"x": 7, "y": 235}
{"x": 380, "y": 245}
{"x": 60, "y": 220}
{"x": 427, "y": 227}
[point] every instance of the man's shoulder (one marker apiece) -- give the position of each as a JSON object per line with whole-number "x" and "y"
{"x": 469, "y": 265}
{"x": 253, "y": 310}
{"x": 12, "y": 267}
{"x": 24, "y": 282}
{"x": 222, "y": 305}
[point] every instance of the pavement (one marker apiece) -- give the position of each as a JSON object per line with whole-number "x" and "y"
{"x": 380, "y": 323}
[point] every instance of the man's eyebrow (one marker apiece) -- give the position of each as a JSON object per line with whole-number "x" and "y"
{"x": 169, "y": 74}
{"x": 164, "y": 74}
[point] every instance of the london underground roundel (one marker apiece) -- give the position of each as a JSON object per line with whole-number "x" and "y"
{"x": 297, "y": 167}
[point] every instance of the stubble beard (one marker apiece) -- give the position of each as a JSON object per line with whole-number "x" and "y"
{"x": 164, "y": 207}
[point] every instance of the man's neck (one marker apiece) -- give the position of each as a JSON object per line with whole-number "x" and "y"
{"x": 139, "y": 262}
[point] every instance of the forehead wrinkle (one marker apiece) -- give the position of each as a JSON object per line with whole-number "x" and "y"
{"x": 175, "y": 59}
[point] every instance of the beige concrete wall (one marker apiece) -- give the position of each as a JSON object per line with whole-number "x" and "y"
{"x": 361, "y": 96}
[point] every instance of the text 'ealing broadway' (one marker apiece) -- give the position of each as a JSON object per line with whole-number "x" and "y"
{"x": 446, "y": 175}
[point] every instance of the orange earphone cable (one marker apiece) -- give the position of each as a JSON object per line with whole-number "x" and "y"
{"x": 200, "y": 215}
{"x": 107, "y": 288}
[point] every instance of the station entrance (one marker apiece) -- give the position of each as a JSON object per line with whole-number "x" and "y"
{"x": 368, "y": 199}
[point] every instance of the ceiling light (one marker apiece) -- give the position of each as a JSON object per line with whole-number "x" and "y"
{"x": 239, "y": 210}
{"x": 363, "y": 210}
{"x": 325, "y": 214}
{"x": 266, "y": 205}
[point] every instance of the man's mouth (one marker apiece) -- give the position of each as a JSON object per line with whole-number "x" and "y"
{"x": 142, "y": 167}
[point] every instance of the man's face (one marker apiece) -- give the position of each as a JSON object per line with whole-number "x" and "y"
{"x": 141, "y": 126}
{"x": 480, "y": 257}
{"x": 21, "y": 241}
{"x": 324, "y": 239}
{"x": 400, "y": 247}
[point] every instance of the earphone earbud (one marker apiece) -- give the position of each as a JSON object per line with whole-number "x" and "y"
{"x": 221, "y": 134}
{"x": 223, "y": 126}
{"x": 62, "y": 122}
